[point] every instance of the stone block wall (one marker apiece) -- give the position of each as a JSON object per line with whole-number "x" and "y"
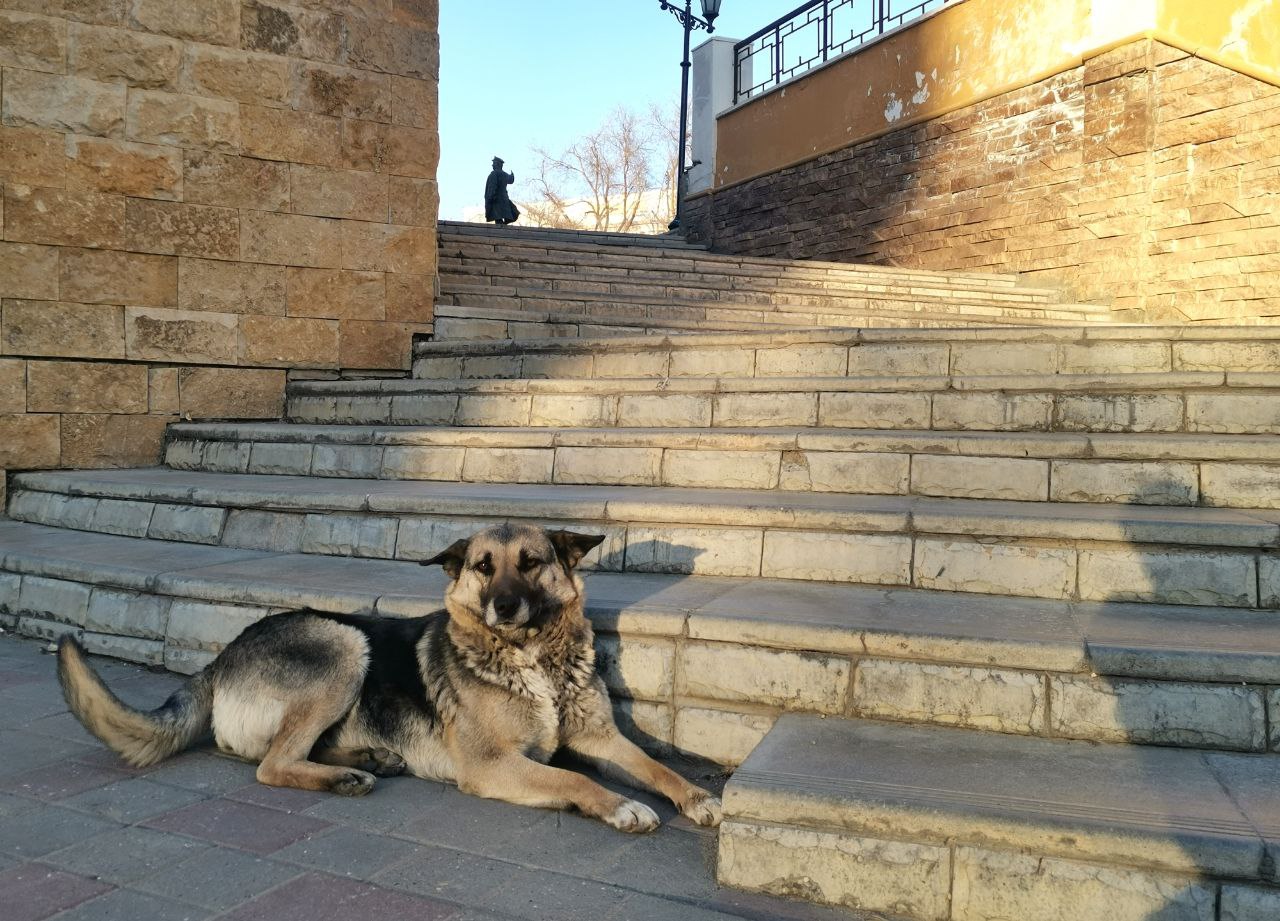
{"x": 1146, "y": 178}
{"x": 199, "y": 197}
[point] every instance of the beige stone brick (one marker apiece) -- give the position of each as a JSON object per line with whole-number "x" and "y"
{"x": 1114, "y": 357}
{"x": 721, "y": 469}
{"x": 508, "y": 465}
{"x": 291, "y": 239}
{"x": 62, "y": 103}
{"x": 162, "y": 394}
{"x": 614, "y": 466}
{"x": 298, "y": 137}
{"x": 108, "y": 277}
{"x": 1249, "y": 903}
{"x": 231, "y": 287}
{"x": 770, "y": 677}
{"x": 394, "y": 149}
{"x": 181, "y": 335}
{"x": 997, "y": 700}
{"x": 664, "y": 410}
{"x": 13, "y": 385}
{"x": 1226, "y": 356}
{"x": 980, "y": 358}
{"x": 213, "y": 21}
{"x": 28, "y": 271}
{"x": 414, "y": 202}
{"x": 34, "y": 215}
{"x": 398, "y": 48}
{"x": 61, "y": 329}
{"x": 980, "y": 477}
{"x": 803, "y": 361}
{"x": 712, "y": 362}
{"x": 912, "y": 880}
{"x": 385, "y": 247}
{"x": 992, "y": 412}
{"x": 229, "y": 73}
{"x": 86, "y": 387}
{"x": 32, "y": 156}
{"x": 991, "y": 886}
{"x": 290, "y": 341}
{"x": 1152, "y": 483}
{"x": 98, "y": 12}
{"x": 139, "y": 170}
{"x": 374, "y": 344}
{"x": 631, "y": 364}
{"x": 291, "y": 31}
{"x": 995, "y": 569}
{"x": 427, "y": 463}
{"x": 1233, "y": 413}
{"x": 636, "y": 667}
{"x": 183, "y": 120}
{"x": 235, "y": 182}
{"x": 33, "y": 42}
{"x": 342, "y": 91}
{"x": 336, "y": 294}
{"x": 694, "y": 551}
{"x": 840, "y": 471}
{"x": 723, "y": 736}
{"x": 124, "y": 56}
{"x": 892, "y": 359}
{"x": 93, "y": 440}
{"x": 1158, "y": 712}
{"x": 765, "y": 409}
{"x": 415, "y": 103}
{"x": 1238, "y": 485}
{"x": 231, "y": 393}
{"x": 877, "y": 559}
{"x": 177, "y": 228}
{"x": 646, "y": 723}
{"x": 1168, "y": 576}
{"x": 875, "y": 410}
{"x": 569, "y": 409}
{"x": 492, "y": 409}
{"x": 1147, "y": 412}
{"x": 29, "y": 440}
{"x": 338, "y": 193}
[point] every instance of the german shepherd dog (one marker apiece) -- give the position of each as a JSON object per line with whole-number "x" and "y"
{"x": 480, "y": 694}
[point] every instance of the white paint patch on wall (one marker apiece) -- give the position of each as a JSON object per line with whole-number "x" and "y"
{"x": 893, "y": 111}
{"x": 1241, "y": 20}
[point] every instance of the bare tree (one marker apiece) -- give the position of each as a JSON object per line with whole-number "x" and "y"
{"x": 606, "y": 179}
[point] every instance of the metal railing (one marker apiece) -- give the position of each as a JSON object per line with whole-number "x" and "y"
{"x": 812, "y": 35}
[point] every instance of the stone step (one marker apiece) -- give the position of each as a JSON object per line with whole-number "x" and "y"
{"x": 1063, "y": 551}
{"x": 899, "y": 352}
{"x": 656, "y": 305}
{"x": 1232, "y": 471}
{"x": 933, "y": 824}
{"x": 707, "y": 664}
{"x": 516, "y": 233}
{"x": 482, "y": 245}
{"x": 1241, "y": 403}
{"x": 465, "y": 273}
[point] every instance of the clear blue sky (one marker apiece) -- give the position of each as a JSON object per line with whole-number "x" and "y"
{"x": 519, "y": 73}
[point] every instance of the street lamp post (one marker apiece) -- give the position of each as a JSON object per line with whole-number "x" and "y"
{"x": 710, "y": 10}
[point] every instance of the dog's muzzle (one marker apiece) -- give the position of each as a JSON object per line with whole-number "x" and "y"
{"x": 507, "y": 611}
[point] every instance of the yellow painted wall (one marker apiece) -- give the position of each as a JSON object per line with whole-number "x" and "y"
{"x": 970, "y": 52}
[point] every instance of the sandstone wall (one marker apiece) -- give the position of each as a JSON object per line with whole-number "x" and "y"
{"x": 198, "y": 196}
{"x": 1146, "y": 178}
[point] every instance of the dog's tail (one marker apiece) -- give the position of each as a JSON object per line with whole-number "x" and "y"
{"x": 141, "y": 738}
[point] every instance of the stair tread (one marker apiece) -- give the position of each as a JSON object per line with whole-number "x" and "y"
{"x": 1169, "y": 808}
{"x": 1121, "y": 640}
{"x": 721, "y": 507}
{"x": 1064, "y": 445}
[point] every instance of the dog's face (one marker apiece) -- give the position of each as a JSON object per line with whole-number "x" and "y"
{"x": 514, "y": 577}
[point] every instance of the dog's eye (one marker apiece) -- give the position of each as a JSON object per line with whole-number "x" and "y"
{"x": 529, "y": 563}
{"x": 484, "y": 567}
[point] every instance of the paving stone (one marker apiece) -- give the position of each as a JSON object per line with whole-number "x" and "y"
{"x": 349, "y": 852}
{"x": 132, "y": 800}
{"x": 241, "y": 825}
{"x": 39, "y": 832}
{"x": 217, "y": 878}
{"x": 128, "y": 905}
{"x": 60, "y": 781}
{"x": 204, "y": 773}
{"x": 125, "y": 855}
{"x": 35, "y": 891}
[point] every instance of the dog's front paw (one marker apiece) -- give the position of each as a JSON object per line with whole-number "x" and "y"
{"x": 633, "y": 817}
{"x": 704, "y": 809}
{"x": 386, "y": 763}
{"x": 352, "y": 783}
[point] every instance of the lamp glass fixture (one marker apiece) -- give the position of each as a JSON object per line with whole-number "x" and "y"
{"x": 710, "y": 10}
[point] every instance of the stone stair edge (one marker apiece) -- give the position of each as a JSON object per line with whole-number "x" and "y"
{"x": 516, "y": 231}
{"x": 772, "y": 510}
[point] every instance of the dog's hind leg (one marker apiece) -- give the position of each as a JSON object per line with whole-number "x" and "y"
{"x": 286, "y": 762}
{"x": 616, "y": 756}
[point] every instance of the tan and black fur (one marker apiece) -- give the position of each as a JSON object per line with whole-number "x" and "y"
{"x": 481, "y": 694}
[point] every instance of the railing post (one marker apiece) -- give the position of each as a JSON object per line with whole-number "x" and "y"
{"x": 882, "y": 13}
{"x": 826, "y": 30}
{"x": 777, "y": 57}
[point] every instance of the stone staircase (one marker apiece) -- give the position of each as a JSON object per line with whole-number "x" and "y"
{"x": 988, "y": 612}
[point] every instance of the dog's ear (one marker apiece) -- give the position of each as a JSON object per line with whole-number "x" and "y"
{"x": 451, "y": 559}
{"x": 571, "y": 547}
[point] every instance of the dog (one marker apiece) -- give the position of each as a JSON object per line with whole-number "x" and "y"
{"x": 481, "y": 694}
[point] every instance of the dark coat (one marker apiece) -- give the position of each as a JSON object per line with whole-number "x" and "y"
{"x": 497, "y": 206}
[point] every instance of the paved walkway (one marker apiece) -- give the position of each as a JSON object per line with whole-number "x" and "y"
{"x": 85, "y": 838}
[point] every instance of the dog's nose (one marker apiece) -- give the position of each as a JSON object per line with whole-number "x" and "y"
{"x": 506, "y": 606}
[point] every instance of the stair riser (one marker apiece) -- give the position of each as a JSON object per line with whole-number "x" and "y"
{"x": 866, "y": 548}
{"x": 839, "y": 359}
{"x": 706, "y": 698}
{"x": 932, "y": 879}
{"x": 1172, "y": 411}
{"x": 995, "y": 476}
